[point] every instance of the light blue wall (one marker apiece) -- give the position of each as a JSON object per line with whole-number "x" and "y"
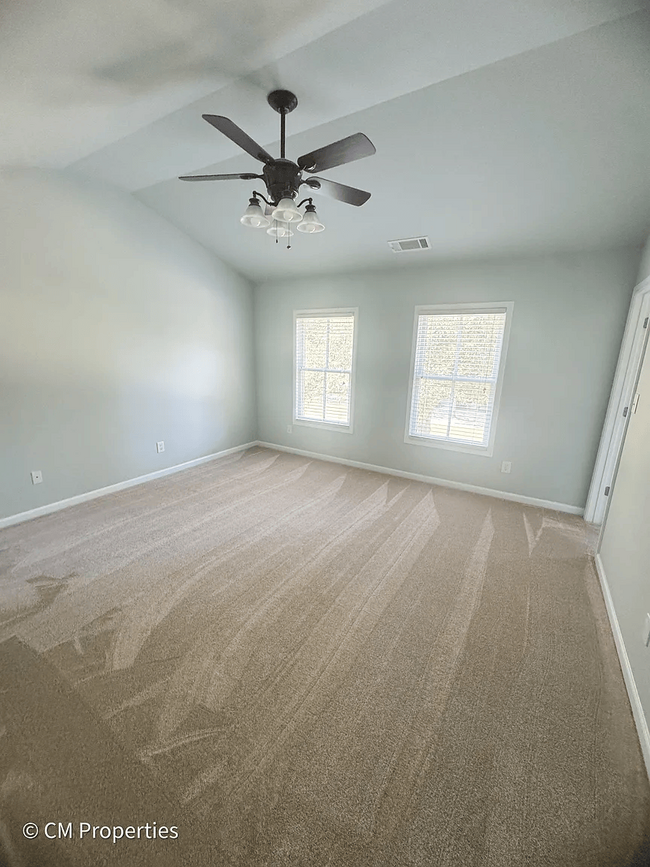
{"x": 569, "y": 315}
{"x": 644, "y": 267}
{"x": 116, "y": 331}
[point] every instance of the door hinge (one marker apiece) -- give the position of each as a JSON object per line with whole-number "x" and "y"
{"x": 625, "y": 411}
{"x": 607, "y": 489}
{"x": 645, "y": 323}
{"x": 635, "y": 402}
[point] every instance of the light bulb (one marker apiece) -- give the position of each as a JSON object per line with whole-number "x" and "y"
{"x": 254, "y": 216}
{"x": 286, "y": 211}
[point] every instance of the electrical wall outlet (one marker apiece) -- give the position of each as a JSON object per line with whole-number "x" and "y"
{"x": 646, "y": 631}
{"x": 506, "y": 466}
{"x": 160, "y": 447}
{"x": 289, "y": 429}
{"x": 37, "y": 477}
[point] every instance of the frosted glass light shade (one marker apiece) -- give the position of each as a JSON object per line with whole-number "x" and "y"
{"x": 286, "y": 211}
{"x": 310, "y": 222}
{"x": 254, "y": 217}
{"x": 280, "y": 230}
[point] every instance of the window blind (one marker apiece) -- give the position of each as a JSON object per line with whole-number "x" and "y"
{"x": 456, "y": 366}
{"x": 324, "y": 347}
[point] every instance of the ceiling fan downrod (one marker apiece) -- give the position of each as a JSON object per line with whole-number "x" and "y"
{"x": 283, "y": 101}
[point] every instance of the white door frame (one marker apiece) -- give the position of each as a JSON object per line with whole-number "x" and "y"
{"x": 618, "y": 409}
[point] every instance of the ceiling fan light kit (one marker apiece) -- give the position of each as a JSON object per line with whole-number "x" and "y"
{"x": 310, "y": 223}
{"x": 286, "y": 211}
{"x": 280, "y": 230}
{"x": 254, "y": 215}
{"x": 283, "y": 178}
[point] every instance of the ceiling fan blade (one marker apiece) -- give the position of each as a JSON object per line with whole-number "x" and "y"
{"x": 234, "y": 133}
{"x": 349, "y": 195}
{"x": 246, "y": 176}
{"x": 354, "y": 147}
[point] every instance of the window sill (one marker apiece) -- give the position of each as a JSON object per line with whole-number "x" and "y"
{"x": 324, "y": 425}
{"x": 482, "y": 451}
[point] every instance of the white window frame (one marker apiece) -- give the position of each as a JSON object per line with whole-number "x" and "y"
{"x": 464, "y": 308}
{"x": 331, "y": 311}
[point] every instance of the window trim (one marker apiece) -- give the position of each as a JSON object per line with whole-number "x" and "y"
{"x": 330, "y": 311}
{"x": 463, "y": 308}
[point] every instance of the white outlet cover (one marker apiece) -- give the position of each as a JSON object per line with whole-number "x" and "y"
{"x": 506, "y": 466}
{"x": 289, "y": 428}
{"x": 160, "y": 447}
{"x": 37, "y": 477}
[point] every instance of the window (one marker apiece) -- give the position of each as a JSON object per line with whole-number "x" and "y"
{"x": 324, "y": 363}
{"x": 457, "y": 368}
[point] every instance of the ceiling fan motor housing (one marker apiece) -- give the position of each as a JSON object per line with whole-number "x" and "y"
{"x": 282, "y": 178}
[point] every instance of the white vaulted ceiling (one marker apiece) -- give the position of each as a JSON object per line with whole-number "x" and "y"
{"x": 501, "y": 127}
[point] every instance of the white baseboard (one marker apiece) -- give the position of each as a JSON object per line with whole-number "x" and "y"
{"x": 120, "y": 486}
{"x": 633, "y": 694}
{"x": 129, "y": 483}
{"x": 461, "y": 486}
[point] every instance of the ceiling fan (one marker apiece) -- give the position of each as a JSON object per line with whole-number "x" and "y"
{"x": 283, "y": 178}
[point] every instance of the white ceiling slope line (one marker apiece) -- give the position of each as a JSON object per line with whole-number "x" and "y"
{"x": 396, "y": 49}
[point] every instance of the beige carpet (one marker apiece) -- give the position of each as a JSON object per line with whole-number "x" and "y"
{"x": 298, "y": 663}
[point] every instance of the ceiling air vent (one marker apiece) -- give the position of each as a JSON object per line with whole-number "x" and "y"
{"x": 405, "y": 245}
